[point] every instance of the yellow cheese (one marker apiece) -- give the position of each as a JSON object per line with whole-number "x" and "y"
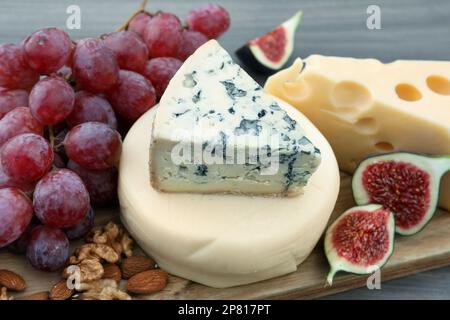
{"x": 364, "y": 107}
{"x": 224, "y": 240}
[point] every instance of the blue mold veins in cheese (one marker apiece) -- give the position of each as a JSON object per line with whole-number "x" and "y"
{"x": 235, "y": 137}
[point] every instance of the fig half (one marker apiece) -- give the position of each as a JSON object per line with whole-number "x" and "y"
{"x": 405, "y": 183}
{"x": 271, "y": 51}
{"x": 360, "y": 241}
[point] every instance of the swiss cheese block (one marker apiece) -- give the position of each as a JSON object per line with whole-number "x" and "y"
{"x": 224, "y": 240}
{"x": 364, "y": 107}
{"x": 217, "y": 131}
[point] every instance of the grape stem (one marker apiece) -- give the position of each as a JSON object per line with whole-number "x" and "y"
{"x": 51, "y": 137}
{"x": 141, "y": 8}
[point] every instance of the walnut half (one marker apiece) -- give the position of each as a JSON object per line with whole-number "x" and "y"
{"x": 89, "y": 258}
{"x": 113, "y": 236}
{"x": 103, "y": 289}
{"x": 93, "y": 251}
{"x": 90, "y": 269}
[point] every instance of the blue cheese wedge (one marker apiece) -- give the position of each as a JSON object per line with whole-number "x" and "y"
{"x": 217, "y": 131}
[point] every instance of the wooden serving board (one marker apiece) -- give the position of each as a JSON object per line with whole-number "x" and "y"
{"x": 426, "y": 250}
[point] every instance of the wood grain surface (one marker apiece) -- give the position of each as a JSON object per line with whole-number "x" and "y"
{"x": 411, "y": 29}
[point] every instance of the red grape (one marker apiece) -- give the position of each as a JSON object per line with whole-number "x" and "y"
{"x": 132, "y": 96}
{"x": 163, "y": 35}
{"x": 20, "y": 245}
{"x": 159, "y": 71}
{"x": 81, "y": 228}
{"x": 11, "y": 99}
{"x": 51, "y": 100}
{"x": 101, "y": 184}
{"x": 8, "y": 182}
{"x": 131, "y": 52}
{"x": 26, "y": 157}
{"x": 14, "y": 72}
{"x": 139, "y": 22}
{"x": 47, "y": 50}
{"x": 48, "y": 248}
{"x": 16, "y": 122}
{"x": 60, "y": 199}
{"x": 210, "y": 19}
{"x": 90, "y": 107}
{"x": 95, "y": 66}
{"x": 16, "y": 212}
{"x": 93, "y": 145}
{"x": 190, "y": 41}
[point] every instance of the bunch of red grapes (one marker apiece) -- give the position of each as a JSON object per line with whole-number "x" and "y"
{"x": 63, "y": 108}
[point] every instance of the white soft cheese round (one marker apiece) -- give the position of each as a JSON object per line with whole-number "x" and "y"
{"x": 224, "y": 240}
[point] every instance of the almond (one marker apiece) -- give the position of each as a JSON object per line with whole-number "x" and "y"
{"x": 147, "y": 282}
{"x": 12, "y": 280}
{"x": 112, "y": 271}
{"x": 136, "y": 264}
{"x": 60, "y": 291}
{"x": 43, "y": 295}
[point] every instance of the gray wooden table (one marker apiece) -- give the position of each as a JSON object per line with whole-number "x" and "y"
{"x": 410, "y": 29}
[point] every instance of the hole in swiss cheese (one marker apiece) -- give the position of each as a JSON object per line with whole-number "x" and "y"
{"x": 408, "y": 92}
{"x": 439, "y": 85}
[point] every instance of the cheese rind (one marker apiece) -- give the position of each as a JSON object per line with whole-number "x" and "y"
{"x": 242, "y": 141}
{"x": 365, "y": 107}
{"x": 224, "y": 240}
